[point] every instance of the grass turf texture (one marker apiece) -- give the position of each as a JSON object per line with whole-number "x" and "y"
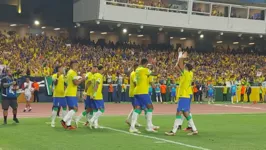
{"x": 216, "y": 132}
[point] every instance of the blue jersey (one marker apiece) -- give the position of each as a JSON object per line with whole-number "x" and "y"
{"x": 173, "y": 88}
{"x": 233, "y": 88}
{"x": 210, "y": 89}
{"x": 150, "y": 89}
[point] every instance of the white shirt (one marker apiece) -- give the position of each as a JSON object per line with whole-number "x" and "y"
{"x": 28, "y": 87}
{"x": 109, "y": 78}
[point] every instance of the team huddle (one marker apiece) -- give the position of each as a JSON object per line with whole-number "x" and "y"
{"x": 65, "y": 95}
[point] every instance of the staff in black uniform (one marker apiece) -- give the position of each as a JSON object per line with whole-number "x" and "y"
{"x": 9, "y": 96}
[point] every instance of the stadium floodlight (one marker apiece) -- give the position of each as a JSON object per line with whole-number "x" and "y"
{"x": 235, "y": 43}
{"x": 261, "y": 36}
{"x": 125, "y": 30}
{"x": 140, "y": 35}
{"x": 13, "y": 25}
{"x": 43, "y": 27}
{"x": 36, "y": 22}
{"x": 78, "y": 24}
{"x": 98, "y": 22}
{"x": 219, "y": 42}
{"x": 201, "y": 36}
{"x": 239, "y": 35}
{"x": 103, "y": 33}
{"x": 183, "y": 38}
{"x": 182, "y": 30}
{"x": 75, "y": 26}
{"x": 118, "y": 25}
{"x": 221, "y": 33}
{"x": 251, "y": 43}
{"x": 160, "y": 29}
{"x": 171, "y": 37}
{"x": 141, "y": 26}
{"x": 91, "y": 32}
{"x": 56, "y": 29}
{"x": 129, "y": 34}
{"x": 199, "y": 32}
{"x": 251, "y": 38}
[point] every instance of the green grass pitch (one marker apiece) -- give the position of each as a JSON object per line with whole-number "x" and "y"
{"x": 216, "y": 132}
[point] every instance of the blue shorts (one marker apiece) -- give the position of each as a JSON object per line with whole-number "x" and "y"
{"x": 183, "y": 104}
{"x": 210, "y": 94}
{"x": 133, "y": 102}
{"x": 59, "y": 102}
{"x": 98, "y": 104}
{"x": 233, "y": 93}
{"x": 88, "y": 102}
{"x": 142, "y": 100}
{"x": 173, "y": 94}
{"x": 158, "y": 94}
{"x": 72, "y": 101}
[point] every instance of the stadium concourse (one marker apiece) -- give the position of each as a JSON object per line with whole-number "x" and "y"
{"x": 39, "y": 55}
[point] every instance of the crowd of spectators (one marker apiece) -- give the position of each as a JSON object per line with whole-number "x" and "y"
{"x": 39, "y": 55}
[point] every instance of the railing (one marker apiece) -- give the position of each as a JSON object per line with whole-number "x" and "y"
{"x": 114, "y": 3}
{"x": 193, "y": 12}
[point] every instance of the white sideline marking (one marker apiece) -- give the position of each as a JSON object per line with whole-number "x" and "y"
{"x": 154, "y": 138}
{"x": 245, "y": 107}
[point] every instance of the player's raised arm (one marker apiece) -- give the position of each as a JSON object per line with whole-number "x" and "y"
{"x": 180, "y": 63}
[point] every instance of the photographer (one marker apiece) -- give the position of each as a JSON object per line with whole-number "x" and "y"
{"x": 9, "y": 96}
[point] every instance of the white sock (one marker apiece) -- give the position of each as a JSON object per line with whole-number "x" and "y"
{"x": 68, "y": 123}
{"x": 80, "y": 116}
{"x": 191, "y": 117}
{"x": 130, "y": 115}
{"x": 96, "y": 122}
{"x": 177, "y": 124}
{"x": 149, "y": 120}
{"x": 156, "y": 98}
{"x": 182, "y": 120}
{"x": 54, "y": 113}
{"x": 96, "y": 116}
{"x": 69, "y": 116}
{"x": 134, "y": 120}
{"x": 64, "y": 112}
{"x": 232, "y": 99}
{"x": 191, "y": 123}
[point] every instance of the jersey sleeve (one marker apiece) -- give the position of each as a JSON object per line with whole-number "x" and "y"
{"x": 54, "y": 76}
{"x": 147, "y": 71}
{"x": 72, "y": 75}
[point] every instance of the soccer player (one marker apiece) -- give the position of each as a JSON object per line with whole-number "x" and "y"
{"x": 9, "y": 87}
{"x": 233, "y": 90}
{"x": 184, "y": 97}
{"x": 73, "y": 80}
{"x": 58, "y": 94}
{"x": 131, "y": 94}
{"x": 89, "y": 85}
{"x": 142, "y": 98}
{"x": 98, "y": 102}
{"x": 28, "y": 92}
{"x": 210, "y": 93}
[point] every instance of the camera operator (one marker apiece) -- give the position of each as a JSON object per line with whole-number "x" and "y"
{"x": 9, "y": 95}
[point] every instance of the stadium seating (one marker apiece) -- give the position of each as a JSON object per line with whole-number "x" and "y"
{"x": 38, "y": 56}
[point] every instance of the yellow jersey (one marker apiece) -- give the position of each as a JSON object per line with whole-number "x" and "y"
{"x": 59, "y": 89}
{"x": 185, "y": 84}
{"x": 71, "y": 89}
{"x": 90, "y": 78}
{"x": 132, "y": 84}
{"x": 98, "y": 95}
{"x": 142, "y": 81}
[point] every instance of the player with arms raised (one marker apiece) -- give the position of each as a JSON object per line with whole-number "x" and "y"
{"x": 184, "y": 97}
{"x": 73, "y": 80}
